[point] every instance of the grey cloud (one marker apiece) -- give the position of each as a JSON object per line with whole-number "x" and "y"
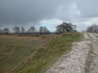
{"x": 88, "y": 8}
{"x": 32, "y": 11}
{"x": 26, "y": 11}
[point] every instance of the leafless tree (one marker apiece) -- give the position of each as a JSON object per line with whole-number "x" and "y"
{"x": 6, "y": 30}
{"x": 17, "y": 30}
{"x": 92, "y": 28}
{"x": 1, "y": 31}
{"x": 22, "y": 30}
{"x": 66, "y": 27}
{"x": 32, "y": 29}
{"x": 43, "y": 30}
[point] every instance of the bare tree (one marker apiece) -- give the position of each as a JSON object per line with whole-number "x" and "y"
{"x": 66, "y": 27}
{"x": 32, "y": 29}
{"x": 17, "y": 30}
{"x": 43, "y": 30}
{"x": 6, "y": 30}
{"x": 22, "y": 30}
{"x": 1, "y": 31}
{"x": 92, "y": 28}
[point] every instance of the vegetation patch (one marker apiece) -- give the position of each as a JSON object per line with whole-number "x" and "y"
{"x": 24, "y": 56}
{"x": 96, "y": 36}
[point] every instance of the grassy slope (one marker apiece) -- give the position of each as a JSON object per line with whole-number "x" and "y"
{"x": 13, "y": 49}
{"x": 43, "y": 56}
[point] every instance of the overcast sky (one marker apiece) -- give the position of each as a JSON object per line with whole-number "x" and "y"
{"x": 48, "y": 13}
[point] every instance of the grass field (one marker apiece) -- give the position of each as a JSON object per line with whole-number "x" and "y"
{"x": 30, "y": 54}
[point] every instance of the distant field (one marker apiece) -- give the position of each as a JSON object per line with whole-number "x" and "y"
{"x": 30, "y": 54}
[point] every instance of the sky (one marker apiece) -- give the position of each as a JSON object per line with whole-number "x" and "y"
{"x": 49, "y": 13}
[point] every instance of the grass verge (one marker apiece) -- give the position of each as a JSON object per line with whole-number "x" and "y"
{"x": 43, "y": 57}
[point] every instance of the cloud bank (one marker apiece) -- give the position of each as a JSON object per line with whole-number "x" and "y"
{"x": 25, "y": 12}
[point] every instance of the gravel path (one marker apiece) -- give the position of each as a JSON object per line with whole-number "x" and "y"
{"x": 74, "y": 61}
{"x": 93, "y": 65}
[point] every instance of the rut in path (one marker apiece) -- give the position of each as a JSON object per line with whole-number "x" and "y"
{"x": 92, "y": 64}
{"x": 75, "y": 60}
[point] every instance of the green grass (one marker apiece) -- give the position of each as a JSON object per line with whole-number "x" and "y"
{"x": 42, "y": 58}
{"x": 13, "y": 50}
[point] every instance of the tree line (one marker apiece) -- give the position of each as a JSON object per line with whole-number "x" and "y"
{"x": 92, "y": 28}
{"x": 64, "y": 27}
{"x": 22, "y": 30}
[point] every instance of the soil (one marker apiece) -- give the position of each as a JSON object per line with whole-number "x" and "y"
{"x": 83, "y": 58}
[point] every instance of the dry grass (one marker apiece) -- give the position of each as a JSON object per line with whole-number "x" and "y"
{"x": 30, "y": 54}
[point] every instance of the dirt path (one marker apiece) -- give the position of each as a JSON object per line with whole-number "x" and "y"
{"x": 93, "y": 56}
{"x": 82, "y": 59}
